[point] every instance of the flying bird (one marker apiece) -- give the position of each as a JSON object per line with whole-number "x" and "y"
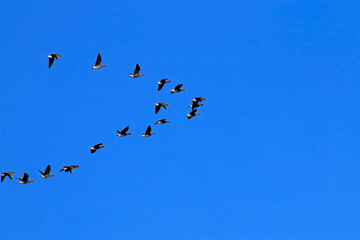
{"x": 52, "y": 57}
{"x": 198, "y": 99}
{"x": 123, "y": 132}
{"x": 98, "y": 63}
{"x": 4, "y": 174}
{"x": 177, "y": 89}
{"x": 195, "y": 104}
{"x": 136, "y": 73}
{"x": 162, "y": 83}
{"x": 69, "y": 168}
{"x": 159, "y": 105}
{"x": 25, "y": 179}
{"x": 148, "y": 132}
{"x": 96, "y": 147}
{"x": 46, "y": 174}
{"x": 192, "y": 114}
{"x": 162, "y": 121}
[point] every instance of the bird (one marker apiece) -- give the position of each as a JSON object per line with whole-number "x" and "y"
{"x": 159, "y": 105}
{"x": 162, "y": 121}
{"x": 46, "y": 174}
{"x": 136, "y": 73}
{"x": 4, "y": 174}
{"x": 198, "y": 99}
{"x": 192, "y": 114}
{"x": 123, "y": 132}
{"x": 96, "y": 147}
{"x": 69, "y": 168}
{"x": 52, "y": 57}
{"x": 195, "y": 104}
{"x": 177, "y": 89}
{"x": 162, "y": 83}
{"x": 148, "y": 132}
{"x": 98, "y": 63}
{"x": 25, "y": 179}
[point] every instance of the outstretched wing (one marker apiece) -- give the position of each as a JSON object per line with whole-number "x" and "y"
{"x": 42, "y": 173}
{"x": 2, "y": 178}
{"x": 178, "y": 87}
{"x": 125, "y": 130}
{"x": 97, "y": 145}
{"x": 26, "y": 177}
{"x": 47, "y": 170}
{"x": 137, "y": 69}
{"x": 148, "y": 130}
{"x": 160, "y": 86}
{"x": 98, "y": 60}
{"x": 51, "y": 61}
{"x": 157, "y": 108}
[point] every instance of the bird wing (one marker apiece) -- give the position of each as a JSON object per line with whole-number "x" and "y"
{"x": 42, "y": 173}
{"x": 148, "y": 130}
{"x": 125, "y": 130}
{"x": 118, "y": 131}
{"x": 97, "y": 145}
{"x": 92, "y": 151}
{"x": 137, "y": 69}
{"x": 63, "y": 169}
{"x": 71, "y": 170}
{"x": 157, "y": 108}
{"x": 26, "y": 177}
{"x": 163, "y": 80}
{"x": 2, "y": 178}
{"x": 10, "y": 176}
{"x": 163, "y": 105}
{"x": 51, "y": 61}
{"x": 98, "y": 60}
{"x": 160, "y": 86}
{"x": 178, "y": 87}
{"x": 193, "y": 112}
{"x": 48, "y": 169}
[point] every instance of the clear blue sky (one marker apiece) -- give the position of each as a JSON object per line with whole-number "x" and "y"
{"x": 273, "y": 155}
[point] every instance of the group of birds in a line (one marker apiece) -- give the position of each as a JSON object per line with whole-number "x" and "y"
{"x": 195, "y": 104}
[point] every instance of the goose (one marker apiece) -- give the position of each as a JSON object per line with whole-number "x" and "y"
{"x": 25, "y": 179}
{"x": 96, "y": 147}
{"x": 4, "y": 174}
{"x": 192, "y": 114}
{"x": 98, "y": 63}
{"x": 162, "y": 121}
{"x": 159, "y": 105}
{"x": 162, "y": 83}
{"x": 195, "y": 104}
{"x": 123, "y": 132}
{"x": 69, "y": 168}
{"x": 52, "y": 57}
{"x": 136, "y": 73}
{"x": 177, "y": 89}
{"x": 46, "y": 174}
{"x": 148, "y": 132}
{"x": 198, "y": 99}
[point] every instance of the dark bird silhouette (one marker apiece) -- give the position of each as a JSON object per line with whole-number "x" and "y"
{"x": 52, "y": 58}
{"x": 192, "y": 114}
{"x": 195, "y": 104}
{"x": 123, "y": 132}
{"x": 198, "y": 99}
{"x": 4, "y": 174}
{"x": 162, "y": 121}
{"x": 162, "y": 83}
{"x": 159, "y": 105}
{"x": 25, "y": 179}
{"x": 46, "y": 174}
{"x": 69, "y": 168}
{"x": 148, "y": 132}
{"x": 136, "y": 73}
{"x": 98, "y": 63}
{"x": 96, "y": 147}
{"x": 177, "y": 89}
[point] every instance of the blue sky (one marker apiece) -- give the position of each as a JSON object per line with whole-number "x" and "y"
{"x": 273, "y": 155}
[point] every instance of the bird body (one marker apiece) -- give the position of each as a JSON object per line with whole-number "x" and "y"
{"x": 46, "y": 174}
{"x": 177, "y": 89}
{"x": 198, "y": 99}
{"x": 69, "y": 168}
{"x": 136, "y": 72}
{"x": 159, "y": 105}
{"x": 162, "y": 83}
{"x": 52, "y": 58}
{"x": 162, "y": 121}
{"x": 98, "y": 63}
{"x": 195, "y": 105}
{"x": 192, "y": 114}
{"x": 96, "y": 147}
{"x": 4, "y": 174}
{"x": 148, "y": 132}
{"x": 25, "y": 179}
{"x": 123, "y": 132}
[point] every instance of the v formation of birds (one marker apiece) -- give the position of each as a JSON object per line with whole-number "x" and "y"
{"x": 124, "y": 132}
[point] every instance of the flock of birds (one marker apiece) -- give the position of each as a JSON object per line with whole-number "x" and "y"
{"x": 195, "y": 104}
